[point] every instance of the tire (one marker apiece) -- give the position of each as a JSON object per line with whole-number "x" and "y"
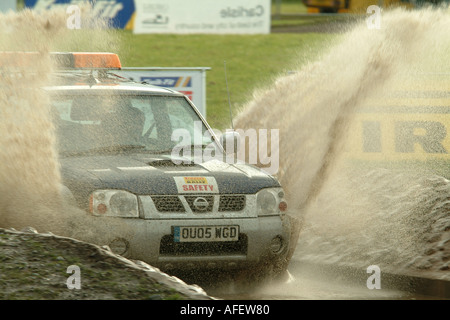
{"x": 328, "y": 10}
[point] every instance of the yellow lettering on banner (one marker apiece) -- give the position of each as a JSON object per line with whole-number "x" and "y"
{"x": 195, "y": 180}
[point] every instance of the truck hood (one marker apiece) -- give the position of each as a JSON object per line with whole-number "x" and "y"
{"x": 144, "y": 174}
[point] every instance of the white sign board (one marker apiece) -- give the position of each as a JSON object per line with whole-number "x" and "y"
{"x": 189, "y": 81}
{"x": 203, "y": 16}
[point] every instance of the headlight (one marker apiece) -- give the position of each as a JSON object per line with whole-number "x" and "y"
{"x": 114, "y": 203}
{"x": 270, "y": 201}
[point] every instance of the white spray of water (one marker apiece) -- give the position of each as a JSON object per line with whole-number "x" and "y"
{"x": 355, "y": 216}
{"x": 30, "y": 180}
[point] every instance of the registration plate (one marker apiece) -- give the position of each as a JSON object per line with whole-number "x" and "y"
{"x": 206, "y": 233}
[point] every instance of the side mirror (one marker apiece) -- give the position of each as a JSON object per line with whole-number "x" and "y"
{"x": 230, "y": 140}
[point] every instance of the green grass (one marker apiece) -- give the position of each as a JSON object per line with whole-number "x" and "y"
{"x": 252, "y": 61}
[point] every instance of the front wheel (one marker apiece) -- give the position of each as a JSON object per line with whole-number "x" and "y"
{"x": 248, "y": 280}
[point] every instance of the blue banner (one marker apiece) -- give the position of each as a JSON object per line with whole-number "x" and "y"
{"x": 119, "y": 13}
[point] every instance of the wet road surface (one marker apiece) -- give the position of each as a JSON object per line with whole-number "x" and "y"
{"x": 309, "y": 283}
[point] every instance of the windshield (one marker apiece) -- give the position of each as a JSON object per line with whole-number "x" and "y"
{"x": 99, "y": 123}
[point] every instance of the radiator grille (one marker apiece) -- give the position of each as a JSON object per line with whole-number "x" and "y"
{"x": 232, "y": 203}
{"x": 227, "y": 203}
{"x": 168, "y": 204}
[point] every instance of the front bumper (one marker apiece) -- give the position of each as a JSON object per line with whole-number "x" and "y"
{"x": 152, "y": 242}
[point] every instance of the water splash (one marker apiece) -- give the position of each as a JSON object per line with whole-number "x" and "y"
{"x": 354, "y": 215}
{"x": 30, "y": 188}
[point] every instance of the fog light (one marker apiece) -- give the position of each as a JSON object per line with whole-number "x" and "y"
{"x": 276, "y": 244}
{"x": 282, "y": 206}
{"x": 119, "y": 246}
{"x": 102, "y": 208}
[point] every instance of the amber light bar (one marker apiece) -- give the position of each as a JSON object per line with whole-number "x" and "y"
{"x": 86, "y": 60}
{"x": 63, "y": 60}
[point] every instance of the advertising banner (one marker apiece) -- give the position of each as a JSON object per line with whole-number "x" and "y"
{"x": 189, "y": 81}
{"x": 119, "y": 13}
{"x": 203, "y": 16}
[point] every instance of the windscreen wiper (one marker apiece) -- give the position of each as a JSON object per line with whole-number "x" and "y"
{"x": 191, "y": 147}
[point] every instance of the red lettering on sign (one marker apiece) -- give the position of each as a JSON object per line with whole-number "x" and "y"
{"x": 189, "y": 94}
{"x": 197, "y": 187}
